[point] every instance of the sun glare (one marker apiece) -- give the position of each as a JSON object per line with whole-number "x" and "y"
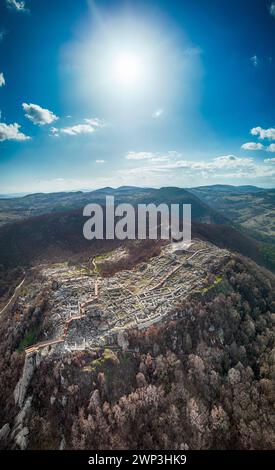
{"x": 125, "y": 65}
{"x": 127, "y": 68}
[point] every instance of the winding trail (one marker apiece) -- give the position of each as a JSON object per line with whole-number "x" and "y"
{"x": 14, "y": 295}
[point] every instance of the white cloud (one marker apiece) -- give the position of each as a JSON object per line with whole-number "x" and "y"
{"x": 255, "y": 60}
{"x": 269, "y": 160}
{"x": 272, "y": 9}
{"x": 156, "y": 114}
{"x": 173, "y": 160}
{"x": 258, "y": 146}
{"x": 229, "y": 161}
{"x": 37, "y": 115}
{"x": 151, "y": 156}
{"x": 224, "y": 162}
{"x": 11, "y": 132}
{"x": 264, "y": 133}
{"x": 139, "y": 155}
{"x": 99, "y": 162}
{"x": 18, "y": 5}
{"x": 95, "y": 122}
{"x": 2, "y": 80}
{"x": 88, "y": 127}
{"x": 253, "y": 146}
{"x": 77, "y": 129}
{"x": 222, "y": 168}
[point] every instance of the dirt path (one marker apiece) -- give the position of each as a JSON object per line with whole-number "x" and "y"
{"x": 14, "y": 296}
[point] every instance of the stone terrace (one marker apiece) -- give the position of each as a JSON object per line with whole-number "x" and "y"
{"x": 89, "y": 311}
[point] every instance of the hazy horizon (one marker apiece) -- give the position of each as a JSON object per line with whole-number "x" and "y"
{"x": 85, "y": 190}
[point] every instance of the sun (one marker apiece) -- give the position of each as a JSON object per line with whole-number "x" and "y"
{"x": 127, "y": 65}
{"x": 128, "y": 68}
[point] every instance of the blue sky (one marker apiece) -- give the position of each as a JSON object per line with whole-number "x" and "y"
{"x": 155, "y": 93}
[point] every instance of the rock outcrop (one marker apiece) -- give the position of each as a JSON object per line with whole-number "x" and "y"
{"x": 23, "y": 383}
{"x": 4, "y": 432}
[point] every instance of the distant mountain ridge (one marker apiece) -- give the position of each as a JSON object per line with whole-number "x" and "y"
{"x": 233, "y": 218}
{"x": 43, "y": 203}
{"x": 249, "y": 207}
{"x": 230, "y": 188}
{"x": 109, "y": 189}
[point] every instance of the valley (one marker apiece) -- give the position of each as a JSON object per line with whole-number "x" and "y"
{"x": 250, "y": 207}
